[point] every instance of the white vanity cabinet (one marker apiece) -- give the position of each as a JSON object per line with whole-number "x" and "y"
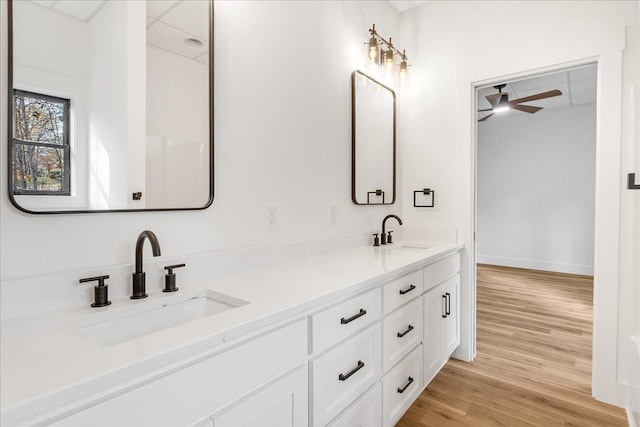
{"x": 261, "y": 371}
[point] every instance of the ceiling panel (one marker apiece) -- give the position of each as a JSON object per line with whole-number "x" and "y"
{"x": 83, "y": 10}
{"x": 171, "y": 39}
{"x": 190, "y": 16}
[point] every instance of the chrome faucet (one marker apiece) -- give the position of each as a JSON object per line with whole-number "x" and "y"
{"x": 386, "y": 238}
{"x": 139, "y": 286}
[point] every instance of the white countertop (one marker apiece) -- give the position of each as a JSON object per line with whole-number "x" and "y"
{"x": 47, "y": 361}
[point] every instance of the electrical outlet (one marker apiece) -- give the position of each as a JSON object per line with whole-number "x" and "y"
{"x": 332, "y": 213}
{"x": 271, "y": 215}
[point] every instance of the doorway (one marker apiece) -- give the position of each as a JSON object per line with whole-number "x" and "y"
{"x": 535, "y": 164}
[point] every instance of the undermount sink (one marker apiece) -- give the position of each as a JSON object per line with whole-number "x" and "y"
{"x": 118, "y": 325}
{"x": 414, "y": 248}
{"x": 407, "y": 247}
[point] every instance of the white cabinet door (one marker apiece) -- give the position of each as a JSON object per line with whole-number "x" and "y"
{"x": 283, "y": 404}
{"x": 441, "y": 325}
{"x": 451, "y": 323}
{"x": 434, "y": 310}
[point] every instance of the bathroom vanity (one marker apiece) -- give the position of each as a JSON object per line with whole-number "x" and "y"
{"x": 348, "y": 338}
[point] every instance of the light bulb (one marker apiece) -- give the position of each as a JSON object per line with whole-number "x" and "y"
{"x": 501, "y": 109}
{"x": 373, "y": 49}
{"x": 402, "y": 74}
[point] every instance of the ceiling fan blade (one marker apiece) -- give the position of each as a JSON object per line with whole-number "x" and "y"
{"x": 526, "y": 108}
{"x": 486, "y": 109}
{"x": 542, "y": 95}
{"x": 485, "y": 117}
{"x": 494, "y": 99}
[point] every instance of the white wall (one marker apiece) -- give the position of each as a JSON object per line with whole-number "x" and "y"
{"x": 282, "y": 135}
{"x": 456, "y": 48}
{"x": 536, "y": 189}
{"x": 116, "y": 64}
{"x": 177, "y": 127}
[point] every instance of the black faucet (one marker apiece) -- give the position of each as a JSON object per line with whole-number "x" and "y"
{"x": 384, "y": 238}
{"x": 139, "y": 287}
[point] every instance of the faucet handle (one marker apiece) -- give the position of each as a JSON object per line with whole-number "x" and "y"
{"x": 170, "y": 278}
{"x": 376, "y": 239}
{"x": 100, "y": 291}
{"x": 389, "y": 236}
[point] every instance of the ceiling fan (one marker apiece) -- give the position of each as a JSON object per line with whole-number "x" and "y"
{"x": 500, "y": 102}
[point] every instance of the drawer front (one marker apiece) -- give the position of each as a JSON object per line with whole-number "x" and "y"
{"x": 365, "y": 412}
{"x": 336, "y": 323}
{"x": 441, "y": 270}
{"x": 401, "y": 332}
{"x": 339, "y": 376}
{"x": 199, "y": 390}
{"x": 400, "y": 387}
{"x": 402, "y": 290}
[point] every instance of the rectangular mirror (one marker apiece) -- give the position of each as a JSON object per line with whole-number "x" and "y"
{"x": 373, "y": 141}
{"x": 110, "y": 105}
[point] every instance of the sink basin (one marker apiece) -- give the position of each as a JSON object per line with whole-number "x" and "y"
{"x": 406, "y": 247}
{"x": 116, "y": 326}
{"x": 414, "y": 248}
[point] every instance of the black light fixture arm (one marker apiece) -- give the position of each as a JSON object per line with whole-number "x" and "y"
{"x": 388, "y": 43}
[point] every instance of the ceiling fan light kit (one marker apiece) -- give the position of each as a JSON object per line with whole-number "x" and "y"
{"x": 500, "y": 102}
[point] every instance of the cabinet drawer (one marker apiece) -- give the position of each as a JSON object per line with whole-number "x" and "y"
{"x": 336, "y": 323}
{"x": 193, "y": 393}
{"x": 339, "y": 376}
{"x": 401, "y": 332}
{"x": 402, "y": 290}
{"x": 400, "y": 387}
{"x": 365, "y": 412}
{"x": 441, "y": 270}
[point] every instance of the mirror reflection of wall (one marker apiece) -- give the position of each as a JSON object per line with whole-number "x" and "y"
{"x": 373, "y": 141}
{"x": 139, "y": 115}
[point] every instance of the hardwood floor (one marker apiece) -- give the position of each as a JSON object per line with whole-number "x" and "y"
{"x": 533, "y": 365}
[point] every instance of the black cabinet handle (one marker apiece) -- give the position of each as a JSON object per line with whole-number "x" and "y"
{"x": 361, "y": 313}
{"x": 343, "y": 377}
{"x": 448, "y": 303}
{"x": 403, "y": 388}
{"x": 409, "y": 329}
{"x": 406, "y": 291}
{"x": 444, "y": 305}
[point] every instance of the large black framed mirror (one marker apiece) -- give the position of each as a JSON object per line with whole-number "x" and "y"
{"x": 110, "y": 105}
{"x": 373, "y": 141}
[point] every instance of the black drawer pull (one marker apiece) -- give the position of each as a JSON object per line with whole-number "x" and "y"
{"x": 444, "y": 306}
{"x": 448, "y": 303}
{"x": 343, "y": 377}
{"x": 361, "y": 313}
{"x": 402, "y": 389}
{"x": 406, "y": 291}
{"x": 409, "y": 329}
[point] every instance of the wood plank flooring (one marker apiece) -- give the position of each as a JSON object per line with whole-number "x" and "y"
{"x": 533, "y": 365}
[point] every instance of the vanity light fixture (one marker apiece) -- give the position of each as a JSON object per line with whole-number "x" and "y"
{"x": 386, "y": 58}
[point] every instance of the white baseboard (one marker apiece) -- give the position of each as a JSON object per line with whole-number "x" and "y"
{"x": 586, "y": 270}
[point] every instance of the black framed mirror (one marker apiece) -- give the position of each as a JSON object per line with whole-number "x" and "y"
{"x": 110, "y": 105}
{"x": 373, "y": 141}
